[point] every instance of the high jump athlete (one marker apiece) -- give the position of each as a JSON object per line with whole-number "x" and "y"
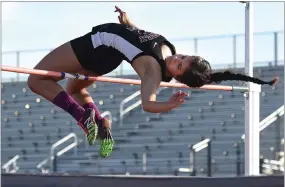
{"x": 102, "y": 50}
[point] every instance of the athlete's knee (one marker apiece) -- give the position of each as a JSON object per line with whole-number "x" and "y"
{"x": 33, "y": 81}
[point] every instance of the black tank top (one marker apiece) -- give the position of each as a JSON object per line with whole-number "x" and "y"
{"x": 132, "y": 43}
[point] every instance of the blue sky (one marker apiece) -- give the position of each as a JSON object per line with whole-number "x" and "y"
{"x": 44, "y": 25}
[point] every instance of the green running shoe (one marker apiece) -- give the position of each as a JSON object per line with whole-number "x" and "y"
{"x": 89, "y": 125}
{"x": 105, "y": 135}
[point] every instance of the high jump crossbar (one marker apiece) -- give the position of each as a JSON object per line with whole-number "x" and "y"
{"x": 116, "y": 80}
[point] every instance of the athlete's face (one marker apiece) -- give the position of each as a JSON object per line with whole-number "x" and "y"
{"x": 178, "y": 64}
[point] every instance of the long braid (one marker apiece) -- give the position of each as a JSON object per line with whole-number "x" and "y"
{"x": 227, "y": 75}
{"x": 200, "y": 73}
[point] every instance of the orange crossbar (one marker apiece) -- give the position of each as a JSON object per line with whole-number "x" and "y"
{"x": 111, "y": 79}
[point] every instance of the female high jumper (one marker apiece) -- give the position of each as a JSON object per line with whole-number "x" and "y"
{"x": 101, "y": 51}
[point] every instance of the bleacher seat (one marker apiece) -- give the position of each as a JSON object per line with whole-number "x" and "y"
{"x": 32, "y": 124}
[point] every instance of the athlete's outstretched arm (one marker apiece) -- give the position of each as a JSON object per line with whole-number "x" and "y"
{"x": 123, "y": 18}
{"x": 149, "y": 85}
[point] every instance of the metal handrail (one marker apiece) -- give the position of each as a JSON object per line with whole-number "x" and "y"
{"x": 134, "y": 105}
{"x": 196, "y": 148}
{"x": 277, "y": 165}
{"x": 13, "y": 162}
{"x": 269, "y": 119}
{"x": 46, "y": 160}
{"x": 41, "y": 164}
{"x": 262, "y": 125}
{"x": 201, "y": 145}
{"x": 67, "y": 148}
{"x": 144, "y": 162}
{"x": 52, "y": 156}
{"x": 192, "y": 157}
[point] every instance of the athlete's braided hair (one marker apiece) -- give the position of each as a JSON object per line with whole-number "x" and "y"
{"x": 200, "y": 73}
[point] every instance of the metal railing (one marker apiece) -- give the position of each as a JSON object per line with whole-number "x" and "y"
{"x": 194, "y": 149}
{"x": 53, "y": 156}
{"x": 238, "y": 159}
{"x": 123, "y": 111}
{"x": 11, "y": 162}
{"x": 233, "y": 43}
{"x": 270, "y": 119}
{"x": 130, "y": 108}
{"x": 144, "y": 162}
{"x": 41, "y": 165}
{"x": 273, "y": 165}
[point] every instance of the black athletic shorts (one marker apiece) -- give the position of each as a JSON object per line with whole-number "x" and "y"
{"x": 101, "y": 60}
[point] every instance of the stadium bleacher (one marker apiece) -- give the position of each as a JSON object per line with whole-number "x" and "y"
{"x": 30, "y": 125}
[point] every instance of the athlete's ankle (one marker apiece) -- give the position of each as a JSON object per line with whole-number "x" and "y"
{"x": 93, "y": 106}
{"x": 106, "y": 122}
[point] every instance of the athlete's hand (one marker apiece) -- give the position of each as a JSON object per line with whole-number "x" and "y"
{"x": 123, "y": 17}
{"x": 177, "y": 99}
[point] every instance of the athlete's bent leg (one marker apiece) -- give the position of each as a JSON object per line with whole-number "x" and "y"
{"x": 62, "y": 59}
{"x": 77, "y": 88}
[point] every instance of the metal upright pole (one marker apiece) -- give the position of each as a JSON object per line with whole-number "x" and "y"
{"x": 252, "y": 101}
